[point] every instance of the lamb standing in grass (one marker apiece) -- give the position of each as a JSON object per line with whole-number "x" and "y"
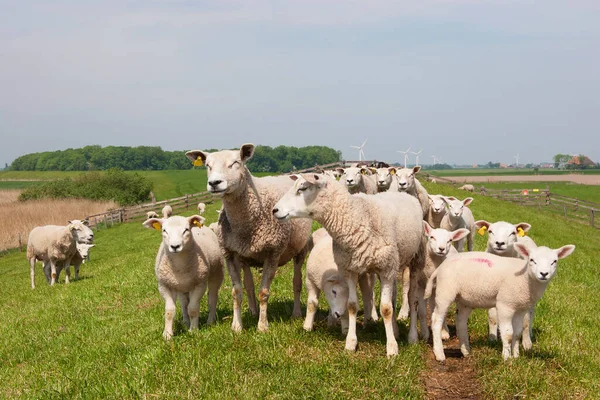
{"x": 459, "y": 216}
{"x": 201, "y": 208}
{"x": 484, "y": 280}
{"x": 250, "y": 235}
{"x": 83, "y": 251}
{"x": 188, "y": 261}
{"x": 379, "y": 233}
{"x": 167, "y": 211}
{"x": 358, "y": 180}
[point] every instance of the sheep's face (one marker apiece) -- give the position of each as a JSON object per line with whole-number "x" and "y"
{"x": 176, "y": 231}
{"x": 440, "y": 240}
{"x": 406, "y": 178}
{"x": 336, "y": 293}
{"x": 437, "y": 204}
{"x": 297, "y": 202}
{"x": 84, "y": 249}
{"x": 352, "y": 177}
{"x": 226, "y": 169}
{"x": 455, "y": 206}
{"x": 502, "y": 235}
{"x": 385, "y": 177}
{"x": 542, "y": 261}
{"x": 81, "y": 232}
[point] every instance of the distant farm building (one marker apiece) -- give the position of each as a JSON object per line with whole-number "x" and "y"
{"x": 581, "y": 162}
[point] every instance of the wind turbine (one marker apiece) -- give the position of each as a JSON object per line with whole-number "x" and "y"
{"x": 416, "y": 156}
{"x": 361, "y": 154}
{"x": 434, "y": 158}
{"x": 405, "y": 156}
{"x": 517, "y": 160}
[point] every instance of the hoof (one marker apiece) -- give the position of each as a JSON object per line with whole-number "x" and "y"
{"x": 236, "y": 326}
{"x": 167, "y": 336}
{"x": 392, "y": 349}
{"x": 351, "y": 344}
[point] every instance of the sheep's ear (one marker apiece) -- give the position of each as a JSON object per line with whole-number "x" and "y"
{"x": 522, "y": 249}
{"x": 452, "y": 198}
{"x": 316, "y": 179}
{"x": 364, "y": 171}
{"x": 373, "y": 170}
{"x": 427, "y": 228}
{"x": 333, "y": 279}
{"x": 153, "y": 223}
{"x": 294, "y": 177}
{"x": 524, "y": 226}
{"x": 565, "y": 251}
{"x": 85, "y": 222}
{"x": 416, "y": 169}
{"x": 482, "y": 226}
{"x": 340, "y": 171}
{"x": 392, "y": 170}
{"x": 246, "y": 151}
{"x": 447, "y": 200}
{"x": 459, "y": 234}
{"x": 197, "y": 157}
{"x": 467, "y": 201}
{"x": 196, "y": 220}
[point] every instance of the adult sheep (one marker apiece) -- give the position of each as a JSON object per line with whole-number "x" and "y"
{"x": 249, "y": 233}
{"x": 358, "y": 180}
{"x": 379, "y": 234}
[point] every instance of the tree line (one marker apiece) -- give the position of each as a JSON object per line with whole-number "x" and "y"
{"x": 97, "y": 158}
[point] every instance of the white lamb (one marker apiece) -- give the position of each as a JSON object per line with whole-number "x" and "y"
{"x": 83, "y": 251}
{"x": 188, "y": 261}
{"x": 201, "y": 208}
{"x": 484, "y": 280}
{"x": 358, "y": 180}
{"x": 437, "y": 210}
{"x": 167, "y": 211}
{"x": 459, "y": 216}
{"x": 468, "y": 188}
{"x": 379, "y": 234}
{"x": 151, "y": 214}
{"x": 52, "y": 244}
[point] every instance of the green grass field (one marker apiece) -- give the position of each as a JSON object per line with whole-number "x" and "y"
{"x": 100, "y": 337}
{"x": 505, "y": 171}
{"x": 582, "y": 192}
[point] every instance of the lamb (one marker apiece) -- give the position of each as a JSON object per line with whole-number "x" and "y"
{"x": 459, "y": 216}
{"x": 385, "y": 179}
{"x": 407, "y": 182}
{"x": 201, "y": 208}
{"x": 83, "y": 251}
{"x": 502, "y": 237}
{"x": 249, "y": 233}
{"x": 151, "y": 214}
{"x": 484, "y": 280}
{"x": 188, "y": 261}
{"x": 379, "y": 233}
{"x": 468, "y": 188}
{"x": 358, "y": 180}
{"x": 53, "y": 244}
{"x": 167, "y": 211}
{"x": 437, "y": 210}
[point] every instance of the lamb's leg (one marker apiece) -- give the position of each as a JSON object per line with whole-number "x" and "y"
{"x": 366, "y": 284}
{"x": 47, "y": 271}
{"x": 194, "y": 306}
{"x": 422, "y": 312}
{"x": 312, "y": 305}
{"x": 344, "y": 323}
{"x": 462, "y": 318}
{"x": 470, "y": 240}
{"x": 269, "y": 268}
{"x": 528, "y": 329}
{"x": 505, "y": 321}
{"x": 351, "y": 339}
{"x": 405, "y": 308}
{"x": 387, "y": 313}
{"x": 234, "y": 268}
{"x": 32, "y": 271}
{"x": 445, "y": 330}
{"x": 413, "y": 299}
{"x": 493, "y": 324}
{"x": 297, "y": 282}
{"x": 184, "y": 301}
{"x": 170, "y": 298}
{"x": 517, "y": 323}
{"x": 215, "y": 281}
{"x": 67, "y": 273}
{"x": 250, "y": 292}
{"x": 52, "y": 272}
{"x": 76, "y": 268}
{"x": 437, "y": 321}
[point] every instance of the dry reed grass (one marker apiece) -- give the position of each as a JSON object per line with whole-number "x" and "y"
{"x": 20, "y": 217}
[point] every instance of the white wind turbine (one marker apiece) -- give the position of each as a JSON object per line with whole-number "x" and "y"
{"x": 434, "y": 158}
{"x": 405, "y": 156}
{"x": 517, "y": 160}
{"x": 416, "y": 156}
{"x": 361, "y": 154}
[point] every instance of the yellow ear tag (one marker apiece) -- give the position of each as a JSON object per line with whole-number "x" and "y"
{"x": 157, "y": 226}
{"x": 393, "y": 172}
{"x": 198, "y": 162}
{"x": 198, "y": 224}
{"x": 482, "y": 230}
{"x": 363, "y": 171}
{"x": 520, "y": 231}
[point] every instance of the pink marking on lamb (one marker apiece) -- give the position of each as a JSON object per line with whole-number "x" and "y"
{"x": 482, "y": 260}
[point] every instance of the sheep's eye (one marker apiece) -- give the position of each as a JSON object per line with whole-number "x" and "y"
{"x": 490, "y": 232}
{"x": 186, "y": 230}
{"x": 553, "y": 262}
{"x": 302, "y": 189}
{"x": 513, "y": 234}
{"x": 431, "y": 237}
{"x": 334, "y": 292}
{"x": 450, "y": 240}
{"x": 164, "y": 231}
{"x": 533, "y": 261}
{"x": 233, "y": 163}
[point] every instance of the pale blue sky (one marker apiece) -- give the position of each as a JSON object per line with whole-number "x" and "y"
{"x": 469, "y": 81}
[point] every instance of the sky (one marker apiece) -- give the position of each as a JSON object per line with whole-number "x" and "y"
{"x": 469, "y": 81}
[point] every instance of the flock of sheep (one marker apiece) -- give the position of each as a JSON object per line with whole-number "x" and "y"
{"x": 377, "y": 224}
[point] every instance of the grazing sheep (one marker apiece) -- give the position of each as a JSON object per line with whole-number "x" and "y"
{"x": 385, "y": 179}
{"x": 468, "y": 188}
{"x": 371, "y": 234}
{"x": 249, "y": 234}
{"x": 167, "y": 211}
{"x": 484, "y": 280}
{"x": 502, "y": 237}
{"x": 433, "y": 180}
{"x": 358, "y": 180}
{"x": 459, "y": 216}
{"x": 83, "y": 251}
{"x": 151, "y": 214}
{"x": 188, "y": 261}
{"x": 437, "y": 210}
{"x": 201, "y": 208}
{"x": 52, "y": 244}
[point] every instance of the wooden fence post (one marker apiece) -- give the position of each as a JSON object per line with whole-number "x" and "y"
{"x": 187, "y": 205}
{"x": 20, "y": 243}
{"x": 576, "y": 204}
{"x": 547, "y": 198}
{"x": 592, "y": 217}
{"x": 565, "y": 208}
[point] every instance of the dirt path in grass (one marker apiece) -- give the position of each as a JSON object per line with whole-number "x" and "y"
{"x": 575, "y": 178}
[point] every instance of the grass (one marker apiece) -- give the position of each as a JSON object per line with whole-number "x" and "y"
{"x": 100, "y": 337}
{"x": 507, "y": 171}
{"x": 575, "y": 190}
{"x": 6, "y": 185}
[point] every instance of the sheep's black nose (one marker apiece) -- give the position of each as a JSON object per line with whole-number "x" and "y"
{"x": 499, "y": 244}
{"x": 215, "y": 183}
{"x": 544, "y": 274}
{"x": 175, "y": 247}
{"x": 275, "y": 210}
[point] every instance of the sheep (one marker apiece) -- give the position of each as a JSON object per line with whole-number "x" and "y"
{"x": 385, "y": 179}
{"x": 151, "y": 214}
{"x": 468, "y": 188}
{"x": 501, "y": 239}
{"x": 371, "y": 234}
{"x": 433, "y": 180}
{"x": 83, "y": 251}
{"x": 358, "y": 180}
{"x": 201, "y": 208}
{"x": 439, "y": 247}
{"x": 52, "y": 244}
{"x": 167, "y": 211}
{"x": 407, "y": 182}
{"x": 458, "y": 216}
{"x": 437, "y": 210}
{"x": 249, "y": 234}
{"x": 484, "y": 280}
{"x": 188, "y": 261}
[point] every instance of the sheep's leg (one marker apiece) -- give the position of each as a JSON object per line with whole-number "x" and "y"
{"x": 405, "y": 308}
{"x": 297, "y": 281}
{"x": 445, "y": 330}
{"x": 269, "y": 268}
{"x": 250, "y": 292}
{"x": 528, "y": 329}
{"x": 312, "y": 305}
{"x": 47, "y": 271}
{"x": 194, "y": 306}
{"x": 76, "y": 268}
{"x": 366, "y": 284}
{"x": 184, "y": 301}
{"x": 351, "y": 339}
{"x": 32, "y": 271}
{"x": 462, "y": 319}
{"x": 437, "y": 321}
{"x": 470, "y": 241}
{"x": 344, "y": 323}
{"x": 505, "y": 320}
{"x": 234, "y": 268}
{"x": 214, "y": 284}
{"x": 422, "y": 312}
{"x": 517, "y": 323}
{"x": 67, "y": 273}
{"x": 460, "y": 245}
{"x": 493, "y": 324}
{"x": 413, "y": 299}
{"x": 52, "y": 272}
{"x": 387, "y": 313}
{"x": 170, "y": 298}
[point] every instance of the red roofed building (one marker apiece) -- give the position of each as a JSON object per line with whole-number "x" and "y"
{"x": 579, "y": 162}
